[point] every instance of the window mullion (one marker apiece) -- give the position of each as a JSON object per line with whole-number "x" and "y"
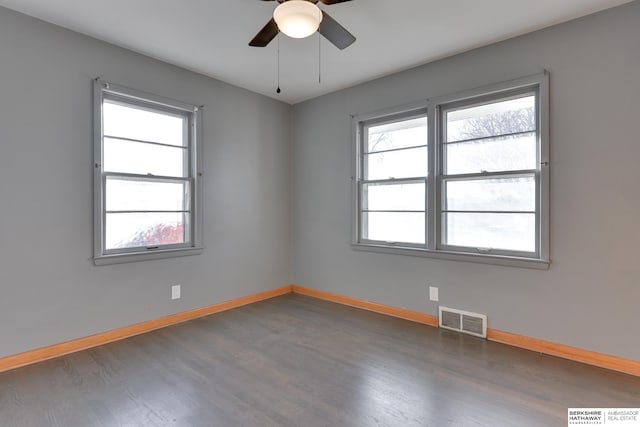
{"x": 431, "y": 226}
{"x": 439, "y": 132}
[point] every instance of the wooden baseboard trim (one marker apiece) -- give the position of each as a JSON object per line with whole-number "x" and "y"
{"x": 593, "y": 358}
{"x": 401, "y": 313}
{"x": 57, "y": 350}
{"x": 606, "y": 361}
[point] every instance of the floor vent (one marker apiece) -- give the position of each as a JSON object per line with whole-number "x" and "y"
{"x": 463, "y": 321}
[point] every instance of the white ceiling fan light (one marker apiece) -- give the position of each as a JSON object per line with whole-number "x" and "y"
{"x": 297, "y": 18}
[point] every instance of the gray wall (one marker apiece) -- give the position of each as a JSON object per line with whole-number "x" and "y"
{"x": 50, "y": 291}
{"x": 589, "y": 298}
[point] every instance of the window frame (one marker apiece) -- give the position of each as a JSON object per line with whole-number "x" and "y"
{"x": 192, "y": 134}
{"x": 409, "y": 114}
{"x": 435, "y": 109}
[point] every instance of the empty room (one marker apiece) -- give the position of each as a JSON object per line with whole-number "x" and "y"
{"x": 319, "y": 213}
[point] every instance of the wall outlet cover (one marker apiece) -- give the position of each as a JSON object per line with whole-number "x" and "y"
{"x": 175, "y": 292}
{"x": 433, "y": 293}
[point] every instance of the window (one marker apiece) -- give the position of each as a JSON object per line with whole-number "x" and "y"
{"x": 394, "y": 179}
{"x": 460, "y": 177}
{"x": 146, "y": 181}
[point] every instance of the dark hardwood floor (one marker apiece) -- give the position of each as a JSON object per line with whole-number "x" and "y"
{"x": 298, "y": 361}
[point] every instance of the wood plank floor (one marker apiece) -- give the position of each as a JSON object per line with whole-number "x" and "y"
{"x": 298, "y": 361}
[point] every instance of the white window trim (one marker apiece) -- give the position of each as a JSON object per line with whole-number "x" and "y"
{"x": 195, "y": 247}
{"x": 542, "y": 260}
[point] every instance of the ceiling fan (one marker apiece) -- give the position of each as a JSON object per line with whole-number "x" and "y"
{"x": 301, "y": 18}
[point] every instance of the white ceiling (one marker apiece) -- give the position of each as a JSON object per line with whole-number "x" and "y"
{"x": 211, "y": 36}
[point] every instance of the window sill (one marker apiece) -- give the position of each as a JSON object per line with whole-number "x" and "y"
{"x": 145, "y": 256}
{"x": 509, "y": 261}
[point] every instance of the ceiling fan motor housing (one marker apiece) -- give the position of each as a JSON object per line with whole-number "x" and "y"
{"x": 297, "y": 18}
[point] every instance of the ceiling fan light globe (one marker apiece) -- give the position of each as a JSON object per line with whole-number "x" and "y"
{"x": 297, "y": 18}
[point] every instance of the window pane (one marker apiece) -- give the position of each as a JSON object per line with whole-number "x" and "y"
{"x": 139, "y": 158}
{"x": 397, "y": 164}
{"x": 393, "y": 197}
{"x": 137, "y": 123}
{"x": 495, "y": 194}
{"x": 138, "y": 195}
{"x": 394, "y": 226}
{"x": 490, "y": 230}
{"x": 406, "y": 133}
{"x": 127, "y": 230}
{"x": 496, "y": 118}
{"x": 496, "y": 154}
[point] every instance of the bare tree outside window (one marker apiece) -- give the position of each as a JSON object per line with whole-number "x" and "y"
{"x": 493, "y": 210}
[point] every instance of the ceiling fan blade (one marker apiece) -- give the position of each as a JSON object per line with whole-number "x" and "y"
{"x": 266, "y": 34}
{"x": 333, "y": 1}
{"x": 335, "y": 33}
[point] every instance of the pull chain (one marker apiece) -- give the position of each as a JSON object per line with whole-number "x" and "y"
{"x": 319, "y": 56}
{"x": 278, "y": 89}
{"x": 319, "y": 61}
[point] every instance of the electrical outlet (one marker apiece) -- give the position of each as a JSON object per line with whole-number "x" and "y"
{"x": 175, "y": 292}
{"x": 433, "y": 293}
